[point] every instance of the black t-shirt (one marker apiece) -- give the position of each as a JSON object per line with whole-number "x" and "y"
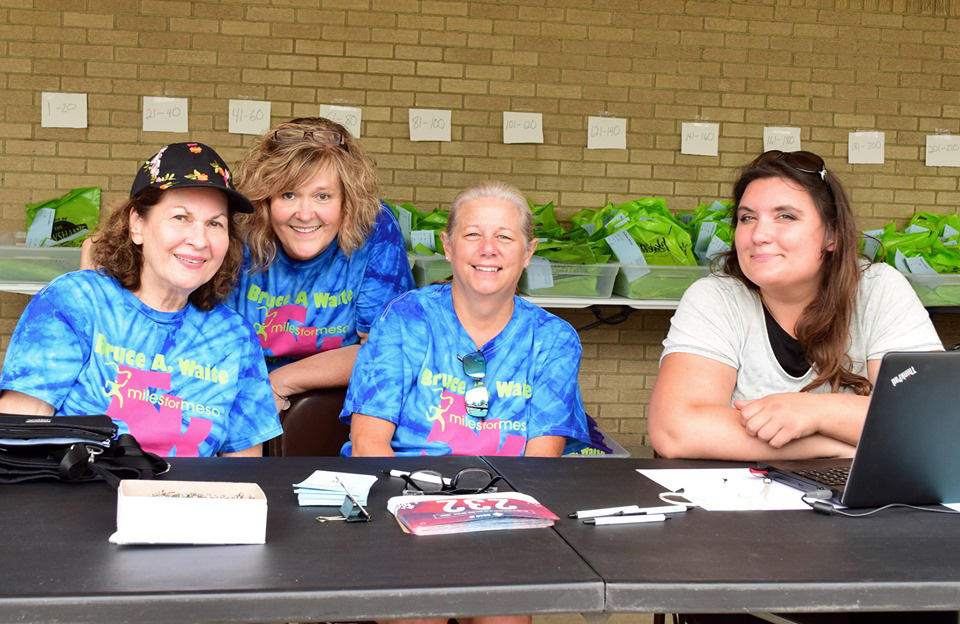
{"x": 785, "y": 347}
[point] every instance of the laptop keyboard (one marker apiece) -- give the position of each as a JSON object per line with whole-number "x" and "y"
{"x": 833, "y": 476}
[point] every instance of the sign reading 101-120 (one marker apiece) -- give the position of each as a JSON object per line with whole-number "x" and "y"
{"x": 249, "y": 116}
{"x": 427, "y": 124}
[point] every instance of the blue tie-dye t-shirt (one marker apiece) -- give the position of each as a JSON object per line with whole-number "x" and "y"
{"x": 302, "y": 308}
{"x": 186, "y": 383}
{"x": 408, "y": 373}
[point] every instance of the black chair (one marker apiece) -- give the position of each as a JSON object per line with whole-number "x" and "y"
{"x": 311, "y": 425}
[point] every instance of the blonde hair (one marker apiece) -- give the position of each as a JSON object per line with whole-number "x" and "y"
{"x": 494, "y": 189}
{"x": 271, "y": 167}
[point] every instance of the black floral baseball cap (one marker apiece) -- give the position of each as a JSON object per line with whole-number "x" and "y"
{"x": 185, "y": 165}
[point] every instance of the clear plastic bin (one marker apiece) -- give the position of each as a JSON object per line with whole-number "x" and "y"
{"x": 430, "y": 269}
{"x": 656, "y": 282}
{"x": 936, "y": 289}
{"x": 20, "y": 264}
{"x": 568, "y": 280}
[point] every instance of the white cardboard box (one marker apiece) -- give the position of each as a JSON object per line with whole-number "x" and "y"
{"x": 190, "y": 512}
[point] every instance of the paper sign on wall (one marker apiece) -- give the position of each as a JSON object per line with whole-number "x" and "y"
{"x": 606, "y": 133}
{"x": 943, "y": 150}
{"x": 865, "y": 148}
{"x": 163, "y": 114}
{"x": 249, "y": 116}
{"x": 700, "y": 139}
{"x": 63, "y": 110}
{"x": 522, "y": 127}
{"x": 783, "y": 139}
{"x": 346, "y": 116}
{"x": 427, "y": 124}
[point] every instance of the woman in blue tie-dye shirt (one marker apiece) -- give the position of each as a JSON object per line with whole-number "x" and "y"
{"x": 324, "y": 254}
{"x": 145, "y": 338}
{"x": 468, "y": 368}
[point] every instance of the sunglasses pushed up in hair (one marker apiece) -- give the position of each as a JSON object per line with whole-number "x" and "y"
{"x": 804, "y": 162}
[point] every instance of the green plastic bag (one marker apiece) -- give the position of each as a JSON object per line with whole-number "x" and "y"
{"x": 63, "y": 221}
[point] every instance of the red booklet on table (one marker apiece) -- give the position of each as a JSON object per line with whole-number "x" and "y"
{"x": 436, "y": 515}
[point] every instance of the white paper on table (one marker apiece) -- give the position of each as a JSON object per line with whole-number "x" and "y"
{"x": 322, "y": 485}
{"x": 727, "y": 489}
{"x": 953, "y": 506}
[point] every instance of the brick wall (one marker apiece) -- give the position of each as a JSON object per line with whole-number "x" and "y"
{"x": 826, "y": 66}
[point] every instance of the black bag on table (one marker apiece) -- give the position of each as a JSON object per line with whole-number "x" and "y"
{"x": 71, "y": 448}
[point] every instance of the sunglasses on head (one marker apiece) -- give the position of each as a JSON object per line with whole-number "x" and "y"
{"x": 323, "y": 137}
{"x": 804, "y": 162}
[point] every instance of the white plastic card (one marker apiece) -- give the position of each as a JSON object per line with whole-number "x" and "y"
{"x": 700, "y": 139}
{"x": 347, "y": 116}
{"x": 628, "y": 252}
{"x": 871, "y": 243}
{"x": 249, "y": 116}
{"x": 427, "y": 124}
{"x": 606, "y": 133}
{"x": 914, "y": 229}
{"x": 783, "y": 139}
{"x": 423, "y": 237}
{"x": 716, "y": 206}
{"x": 163, "y": 114}
{"x": 900, "y": 261}
{"x": 617, "y": 220}
{"x": 716, "y": 247}
{"x": 41, "y": 228}
{"x": 406, "y": 222}
{"x": 919, "y": 265}
{"x": 943, "y": 150}
{"x": 865, "y": 148}
{"x": 539, "y": 273}
{"x": 522, "y": 127}
{"x": 948, "y": 232}
{"x": 589, "y": 227}
{"x": 707, "y": 229}
{"x": 63, "y": 110}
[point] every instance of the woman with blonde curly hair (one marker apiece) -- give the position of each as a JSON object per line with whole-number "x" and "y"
{"x": 324, "y": 254}
{"x": 145, "y": 338}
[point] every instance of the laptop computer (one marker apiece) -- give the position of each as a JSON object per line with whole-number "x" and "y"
{"x": 909, "y": 451}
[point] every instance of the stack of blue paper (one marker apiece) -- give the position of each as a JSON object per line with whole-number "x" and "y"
{"x": 322, "y": 488}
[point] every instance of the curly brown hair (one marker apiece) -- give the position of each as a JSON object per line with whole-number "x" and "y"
{"x": 272, "y": 167}
{"x": 823, "y": 328}
{"x": 118, "y": 256}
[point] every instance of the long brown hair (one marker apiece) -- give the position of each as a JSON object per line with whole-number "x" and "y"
{"x": 272, "y": 167}
{"x": 119, "y": 257}
{"x": 823, "y": 328}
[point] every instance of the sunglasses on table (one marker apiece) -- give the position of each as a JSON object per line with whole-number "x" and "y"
{"x": 466, "y": 482}
{"x": 478, "y": 397}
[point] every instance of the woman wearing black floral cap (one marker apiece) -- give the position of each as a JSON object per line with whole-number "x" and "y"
{"x": 145, "y": 338}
